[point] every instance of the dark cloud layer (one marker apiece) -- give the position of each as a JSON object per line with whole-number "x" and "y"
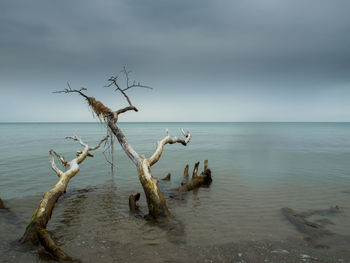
{"x": 234, "y": 46}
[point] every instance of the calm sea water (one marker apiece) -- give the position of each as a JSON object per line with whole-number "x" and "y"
{"x": 257, "y": 169}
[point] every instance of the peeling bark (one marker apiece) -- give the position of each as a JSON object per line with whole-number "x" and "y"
{"x": 204, "y": 179}
{"x": 36, "y": 232}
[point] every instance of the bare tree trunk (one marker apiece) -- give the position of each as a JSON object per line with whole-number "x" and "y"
{"x": 36, "y": 232}
{"x": 156, "y": 203}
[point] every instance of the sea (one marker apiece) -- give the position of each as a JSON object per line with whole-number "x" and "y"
{"x": 257, "y": 169}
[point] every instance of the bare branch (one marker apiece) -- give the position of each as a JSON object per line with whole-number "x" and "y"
{"x": 113, "y": 81}
{"x": 133, "y": 155}
{"x": 167, "y": 140}
{"x": 76, "y": 138}
{"x": 61, "y": 158}
{"x": 99, "y": 144}
{"x": 126, "y": 109}
{"x": 53, "y": 164}
{"x": 36, "y": 229}
{"x": 70, "y": 90}
{"x": 137, "y": 86}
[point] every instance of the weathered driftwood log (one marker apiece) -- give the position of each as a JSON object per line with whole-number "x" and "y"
{"x": 204, "y": 179}
{"x": 155, "y": 201}
{"x": 133, "y": 202}
{"x": 36, "y": 232}
{"x": 312, "y": 230}
{"x": 167, "y": 178}
{"x": 2, "y": 206}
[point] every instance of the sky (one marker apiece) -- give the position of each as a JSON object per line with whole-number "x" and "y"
{"x": 222, "y": 60}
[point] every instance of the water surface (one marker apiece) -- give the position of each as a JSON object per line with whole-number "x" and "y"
{"x": 257, "y": 169}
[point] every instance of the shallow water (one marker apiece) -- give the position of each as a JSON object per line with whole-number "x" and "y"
{"x": 257, "y": 169}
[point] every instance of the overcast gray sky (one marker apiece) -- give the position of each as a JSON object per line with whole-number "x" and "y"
{"x": 222, "y": 60}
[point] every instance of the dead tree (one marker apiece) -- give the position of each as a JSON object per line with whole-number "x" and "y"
{"x": 155, "y": 201}
{"x": 36, "y": 232}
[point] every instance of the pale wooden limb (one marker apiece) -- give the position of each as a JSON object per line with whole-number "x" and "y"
{"x": 53, "y": 164}
{"x": 168, "y": 140}
{"x": 132, "y": 154}
{"x": 36, "y": 230}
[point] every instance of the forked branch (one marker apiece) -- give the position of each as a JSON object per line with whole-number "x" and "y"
{"x": 70, "y": 90}
{"x": 36, "y": 230}
{"x": 168, "y": 140}
{"x": 113, "y": 81}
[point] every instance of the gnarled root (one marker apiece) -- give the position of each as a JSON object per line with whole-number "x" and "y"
{"x": 204, "y": 179}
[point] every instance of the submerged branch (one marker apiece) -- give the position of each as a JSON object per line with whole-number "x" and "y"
{"x": 2, "y": 206}
{"x": 36, "y": 232}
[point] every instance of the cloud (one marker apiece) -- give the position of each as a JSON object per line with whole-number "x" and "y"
{"x": 183, "y": 45}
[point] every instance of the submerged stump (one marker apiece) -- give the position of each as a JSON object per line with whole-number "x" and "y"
{"x": 204, "y": 179}
{"x": 312, "y": 231}
{"x": 2, "y": 205}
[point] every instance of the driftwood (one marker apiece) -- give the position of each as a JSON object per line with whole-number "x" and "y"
{"x": 204, "y": 179}
{"x": 167, "y": 178}
{"x": 36, "y": 232}
{"x": 312, "y": 230}
{"x": 156, "y": 203}
{"x": 2, "y": 206}
{"x": 134, "y": 207}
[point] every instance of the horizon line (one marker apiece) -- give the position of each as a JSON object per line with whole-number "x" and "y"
{"x": 13, "y": 122}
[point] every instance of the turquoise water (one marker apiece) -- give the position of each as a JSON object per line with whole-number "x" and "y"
{"x": 257, "y": 169}
{"x": 257, "y": 153}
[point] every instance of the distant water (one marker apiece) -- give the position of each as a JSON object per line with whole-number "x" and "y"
{"x": 257, "y": 169}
